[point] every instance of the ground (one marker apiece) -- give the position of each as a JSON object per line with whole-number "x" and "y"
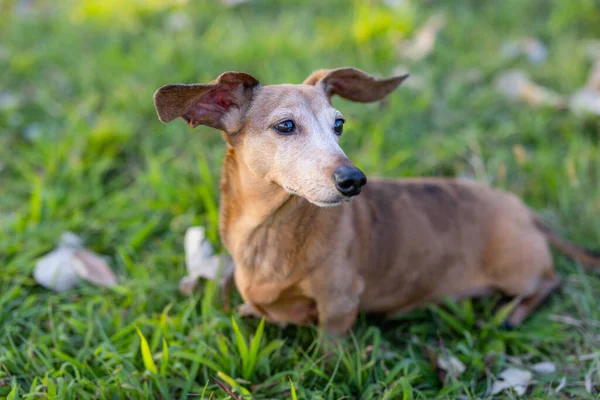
{"x": 81, "y": 150}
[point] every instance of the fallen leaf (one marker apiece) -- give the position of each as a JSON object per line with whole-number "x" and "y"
{"x": 423, "y": 42}
{"x": 520, "y": 154}
{"x": 544, "y": 368}
{"x": 201, "y": 262}
{"x": 451, "y": 365}
{"x": 178, "y": 21}
{"x": 55, "y": 271}
{"x": 591, "y": 48}
{"x": 516, "y": 85}
{"x": 233, "y": 3}
{"x": 533, "y": 48}
{"x": 512, "y": 378}
{"x": 588, "y": 382}
{"x": 63, "y": 268}
{"x": 587, "y": 357}
{"x": 8, "y": 101}
{"x": 566, "y": 320}
{"x": 587, "y": 99}
{"x": 561, "y": 384}
{"x": 92, "y": 268}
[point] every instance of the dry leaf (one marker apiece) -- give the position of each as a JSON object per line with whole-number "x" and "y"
{"x": 178, "y": 21}
{"x": 533, "y": 48}
{"x": 63, "y": 268}
{"x": 561, "y": 384}
{"x": 588, "y": 382}
{"x": 512, "y": 378}
{"x": 587, "y": 99}
{"x": 591, "y": 48}
{"x": 197, "y": 249}
{"x": 587, "y": 357}
{"x": 8, "y": 101}
{"x": 92, "y": 268}
{"x": 232, "y": 3}
{"x": 516, "y": 85}
{"x": 55, "y": 271}
{"x": 566, "y": 320}
{"x": 520, "y": 154}
{"x": 423, "y": 42}
{"x": 544, "y": 368}
{"x": 451, "y": 365}
{"x": 201, "y": 261}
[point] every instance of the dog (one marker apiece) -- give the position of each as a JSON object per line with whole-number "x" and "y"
{"x": 305, "y": 253}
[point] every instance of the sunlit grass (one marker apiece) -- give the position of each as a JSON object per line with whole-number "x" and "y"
{"x": 81, "y": 149}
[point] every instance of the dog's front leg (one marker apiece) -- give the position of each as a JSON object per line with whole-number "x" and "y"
{"x": 338, "y": 304}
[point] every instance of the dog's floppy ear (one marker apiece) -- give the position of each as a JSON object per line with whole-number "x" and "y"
{"x": 353, "y": 84}
{"x": 206, "y": 104}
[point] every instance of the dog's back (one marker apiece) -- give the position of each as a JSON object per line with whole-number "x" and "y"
{"x": 441, "y": 237}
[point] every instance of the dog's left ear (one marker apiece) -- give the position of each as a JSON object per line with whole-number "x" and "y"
{"x": 353, "y": 84}
{"x": 216, "y": 104}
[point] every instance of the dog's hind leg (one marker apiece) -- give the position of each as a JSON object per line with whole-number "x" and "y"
{"x": 520, "y": 265}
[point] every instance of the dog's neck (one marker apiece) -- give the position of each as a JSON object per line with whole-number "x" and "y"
{"x": 249, "y": 203}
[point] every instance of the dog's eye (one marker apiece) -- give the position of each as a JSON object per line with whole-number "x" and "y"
{"x": 338, "y": 126}
{"x": 285, "y": 127}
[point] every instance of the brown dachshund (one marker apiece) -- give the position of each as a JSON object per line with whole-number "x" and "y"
{"x": 305, "y": 253}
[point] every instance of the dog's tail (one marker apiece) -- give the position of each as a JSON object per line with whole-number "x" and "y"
{"x": 589, "y": 258}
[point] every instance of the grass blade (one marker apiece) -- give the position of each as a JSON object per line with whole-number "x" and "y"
{"x": 292, "y": 390}
{"x": 233, "y": 383}
{"x": 407, "y": 390}
{"x": 240, "y": 343}
{"x": 165, "y": 358}
{"x": 12, "y": 395}
{"x": 254, "y": 347}
{"x": 146, "y": 354}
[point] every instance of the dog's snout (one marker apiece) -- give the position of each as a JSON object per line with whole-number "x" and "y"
{"x": 349, "y": 180}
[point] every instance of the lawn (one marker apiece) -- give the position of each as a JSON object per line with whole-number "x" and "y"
{"x": 81, "y": 150}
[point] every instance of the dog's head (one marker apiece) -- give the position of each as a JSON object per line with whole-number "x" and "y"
{"x": 285, "y": 134}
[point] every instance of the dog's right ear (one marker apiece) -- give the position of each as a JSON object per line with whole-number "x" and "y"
{"x": 219, "y": 104}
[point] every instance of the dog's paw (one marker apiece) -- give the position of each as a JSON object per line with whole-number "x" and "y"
{"x": 248, "y": 311}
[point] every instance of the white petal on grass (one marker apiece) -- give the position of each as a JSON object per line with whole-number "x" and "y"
{"x": 423, "y": 42}
{"x": 535, "y": 51}
{"x": 8, "y": 101}
{"x": 92, "y": 268}
{"x": 591, "y": 49}
{"x": 64, "y": 268}
{"x": 196, "y": 248}
{"x": 590, "y": 356}
{"x": 233, "y": 3}
{"x": 512, "y": 378}
{"x": 451, "y": 365}
{"x": 587, "y": 99}
{"x": 55, "y": 271}
{"x": 516, "y": 85}
{"x": 201, "y": 262}
{"x": 544, "y": 368}
{"x": 588, "y": 382}
{"x": 561, "y": 384}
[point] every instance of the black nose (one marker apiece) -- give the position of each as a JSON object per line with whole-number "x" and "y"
{"x": 349, "y": 180}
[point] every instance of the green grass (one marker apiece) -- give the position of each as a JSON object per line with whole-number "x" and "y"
{"x": 81, "y": 149}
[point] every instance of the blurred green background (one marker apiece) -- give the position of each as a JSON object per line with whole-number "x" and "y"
{"x": 81, "y": 149}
